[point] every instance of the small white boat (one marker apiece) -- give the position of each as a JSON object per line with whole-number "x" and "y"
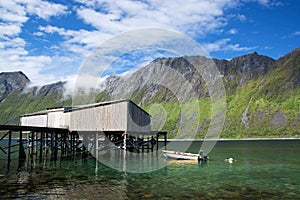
{"x": 177, "y": 155}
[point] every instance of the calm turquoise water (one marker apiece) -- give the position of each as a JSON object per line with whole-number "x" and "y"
{"x": 263, "y": 170}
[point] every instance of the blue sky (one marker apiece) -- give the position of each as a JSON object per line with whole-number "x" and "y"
{"x": 49, "y": 40}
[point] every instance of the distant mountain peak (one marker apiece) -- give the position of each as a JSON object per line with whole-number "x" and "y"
{"x": 12, "y": 81}
{"x": 17, "y": 74}
{"x": 252, "y": 62}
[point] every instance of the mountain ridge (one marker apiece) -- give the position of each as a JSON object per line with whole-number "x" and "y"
{"x": 263, "y": 95}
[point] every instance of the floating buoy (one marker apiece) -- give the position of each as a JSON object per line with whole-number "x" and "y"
{"x": 230, "y": 160}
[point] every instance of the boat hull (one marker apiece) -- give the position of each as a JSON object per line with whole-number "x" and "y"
{"x": 175, "y": 155}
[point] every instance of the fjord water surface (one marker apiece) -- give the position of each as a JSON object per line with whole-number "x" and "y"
{"x": 264, "y": 169}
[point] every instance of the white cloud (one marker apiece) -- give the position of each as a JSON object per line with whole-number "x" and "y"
{"x": 38, "y": 33}
{"x": 297, "y": 33}
{"x": 13, "y": 43}
{"x": 190, "y": 16}
{"x": 216, "y": 46}
{"x": 108, "y": 18}
{"x": 12, "y": 11}
{"x": 13, "y": 54}
{"x": 103, "y": 22}
{"x": 13, "y": 16}
{"x": 233, "y": 31}
{"x": 8, "y": 29}
{"x": 83, "y": 83}
{"x": 17, "y": 59}
{"x": 15, "y": 13}
{"x": 44, "y": 9}
{"x": 266, "y": 3}
{"x": 79, "y": 42}
{"x": 270, "y": 3}
{"x": 223, "y": 45}
{"x": 242, "y": 18}
{"x": 237, "y": 47}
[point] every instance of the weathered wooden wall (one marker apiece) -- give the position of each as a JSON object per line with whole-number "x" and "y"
{"x": 121, "y": 115}
{"x": 56, "y": 119}
{"x": 108, "y": 117}
{"x": 39, "y": 120}
{"x": 53, "y": 118}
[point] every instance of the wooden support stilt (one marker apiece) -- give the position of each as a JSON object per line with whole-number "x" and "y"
{"x": 55, "y": 145}
{"x": 22, "y": 154}
{"x": 152, "y": 143}
{"x": 148, "y": 143}
{"x": 32, "y": 144}
{"x": 39, "y": 138}
{"x": 46, "y": 145}
{"x": 66, "y": 139}
{"x": 9, "y": 151}
{"x": 20, "y": 143}
{"x": 142, "y": 144}
{"x": 35, "y": 153}
{"x": 165, "y": 137}
{"x": 124, "y": 140}
{"x": 41, "y": 146}
{"x": 73, "y": 145}
{"x": 85, "y": 146}
{"x": 52, "y": 146}
{"x": 157, "y": 136}
{"x": 96, "y": 145}
{"x": 61, "y": 145}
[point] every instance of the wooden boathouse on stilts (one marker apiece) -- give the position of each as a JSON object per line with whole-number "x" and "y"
{"x": 70, "y": 130}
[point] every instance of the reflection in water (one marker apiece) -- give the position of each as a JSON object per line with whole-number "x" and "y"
{"x": 251, "y": 177}
{"x": 23, "y": 177}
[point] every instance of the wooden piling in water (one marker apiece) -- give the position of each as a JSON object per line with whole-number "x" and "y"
{"x": 9, "y": 150}
{"x": 42, "y": 140}
{"x": 41, "y": 146}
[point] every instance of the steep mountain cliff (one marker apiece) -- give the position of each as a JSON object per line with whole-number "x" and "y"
{"x": 11, "y": 82}
{"x": 262, "y": 94}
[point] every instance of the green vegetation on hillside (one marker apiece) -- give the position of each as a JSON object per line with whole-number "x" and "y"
{"x": 266, "y": 105}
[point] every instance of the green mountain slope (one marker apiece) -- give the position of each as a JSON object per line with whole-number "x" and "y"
{"x": 30, "y": 100}
{"x": 262, "y": 94}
